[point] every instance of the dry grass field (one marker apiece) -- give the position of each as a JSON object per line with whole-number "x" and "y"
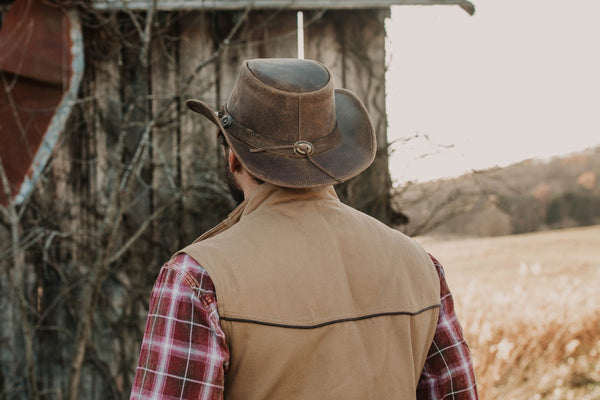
{"x": 529, "y": 306}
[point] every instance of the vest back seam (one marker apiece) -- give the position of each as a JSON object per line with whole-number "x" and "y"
{"x": 332, "y": 322}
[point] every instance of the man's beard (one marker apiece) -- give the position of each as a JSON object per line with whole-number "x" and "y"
{"x": 234, "y": 188}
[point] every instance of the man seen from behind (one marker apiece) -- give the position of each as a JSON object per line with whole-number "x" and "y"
{"x": 296, "y": 295}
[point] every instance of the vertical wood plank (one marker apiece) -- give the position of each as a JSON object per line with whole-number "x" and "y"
{"x": 198, "y": 142}
{"x": 352, "y": 44}
{"x": 321, "y": 44}
{"x": 135, "y": 94}
{"x": 364, "y": 55}
{"x": 108, "y": 126}
{"x": 165, "y": 135}
{"x": 108, "y": 119}
{"x": 57, "y": 197}
{"x": 263, "y": 34}
{"x": 275, "y": 33}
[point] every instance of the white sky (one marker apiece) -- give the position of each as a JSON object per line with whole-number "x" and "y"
{"x": 519, "y": 79}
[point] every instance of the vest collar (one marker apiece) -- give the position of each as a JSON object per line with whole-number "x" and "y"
{"x": 267, "y": 194}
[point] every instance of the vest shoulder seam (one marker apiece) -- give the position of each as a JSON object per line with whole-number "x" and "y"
{"x": 189, "y": 279}
{"x": 331, "y": 322}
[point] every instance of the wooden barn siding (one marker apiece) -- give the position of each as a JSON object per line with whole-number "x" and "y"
{"x": 179, "y": 187}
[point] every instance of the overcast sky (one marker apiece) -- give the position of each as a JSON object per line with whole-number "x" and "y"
{"x": 519, "y": 79}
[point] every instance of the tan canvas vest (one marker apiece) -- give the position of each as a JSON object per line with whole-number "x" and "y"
{"x": 318, "y": 300}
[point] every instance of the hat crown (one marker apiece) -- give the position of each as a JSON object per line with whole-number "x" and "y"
{"x": 289, "y": 74}
{"x": 285, "y": 100}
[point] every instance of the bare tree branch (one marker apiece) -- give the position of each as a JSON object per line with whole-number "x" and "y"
{"x": 119, "y": 253}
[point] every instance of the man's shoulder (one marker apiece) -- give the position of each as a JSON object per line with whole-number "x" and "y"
{"x": 377, "y": 225}
{"x": 182, "y": 262}
{"x": 190, "y": 270}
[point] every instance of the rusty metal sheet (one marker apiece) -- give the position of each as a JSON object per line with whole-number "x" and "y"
{"x": 41, "y": 64}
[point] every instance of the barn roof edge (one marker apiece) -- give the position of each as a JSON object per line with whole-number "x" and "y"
{"x": 169, "y": 5}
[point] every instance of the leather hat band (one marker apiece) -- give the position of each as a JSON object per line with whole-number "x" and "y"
{"x": 259, "y": 143}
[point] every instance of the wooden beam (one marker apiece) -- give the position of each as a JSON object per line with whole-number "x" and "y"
{"x": 276, "y": 4}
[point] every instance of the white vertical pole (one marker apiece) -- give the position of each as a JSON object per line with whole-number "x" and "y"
{"x": 300, "y": 33}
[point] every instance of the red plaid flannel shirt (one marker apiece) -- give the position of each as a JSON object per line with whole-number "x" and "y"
{"x": 184, "y": 352}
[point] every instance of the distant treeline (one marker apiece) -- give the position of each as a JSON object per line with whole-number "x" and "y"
{"x": 525, "y": 197}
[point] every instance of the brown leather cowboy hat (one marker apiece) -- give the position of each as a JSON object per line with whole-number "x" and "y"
{"x": 289, "y": 127}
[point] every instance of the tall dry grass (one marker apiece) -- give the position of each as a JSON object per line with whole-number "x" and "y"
{"x": 529, "y": 306}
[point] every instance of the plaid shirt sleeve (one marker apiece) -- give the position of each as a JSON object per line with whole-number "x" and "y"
{"x": 448, "y": 371}
{"x": 184, "y": 354}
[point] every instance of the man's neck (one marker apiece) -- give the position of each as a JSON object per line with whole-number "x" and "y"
{"x": 247, "y": 183}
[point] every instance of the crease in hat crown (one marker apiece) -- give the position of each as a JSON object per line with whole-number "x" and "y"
{"x": 281, "y": 115}
{"x": 276, "y": 99}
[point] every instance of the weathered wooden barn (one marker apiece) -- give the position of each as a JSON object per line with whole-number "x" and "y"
{"x": 132, "y": 176}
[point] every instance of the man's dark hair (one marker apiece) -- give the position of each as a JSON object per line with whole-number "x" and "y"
{"x": 225, "y": 147}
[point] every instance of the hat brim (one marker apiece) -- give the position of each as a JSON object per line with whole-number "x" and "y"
{"x": 355, "y": 152}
